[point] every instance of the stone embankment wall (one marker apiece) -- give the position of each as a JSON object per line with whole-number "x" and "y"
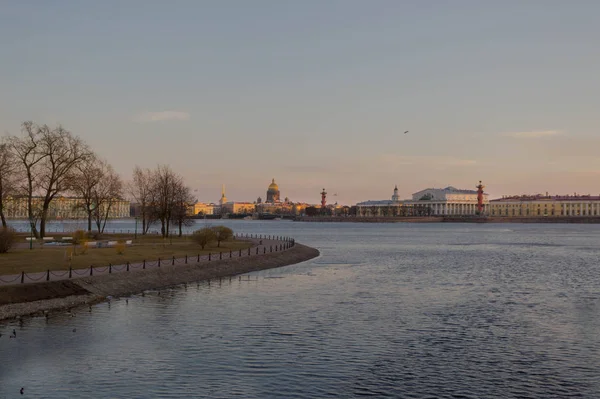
{"x": 453, "y": 219}
{"x": 20, "y": 300}
{"x": 370, "y": 219}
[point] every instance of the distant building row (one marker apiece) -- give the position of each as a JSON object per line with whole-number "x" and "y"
{"x": 272, "y": 205}
{"x": 546, "y": 206}
{"x": 63, "y": 208}
{"x": 451, "y": 201}
{"x": 429, "y": 202}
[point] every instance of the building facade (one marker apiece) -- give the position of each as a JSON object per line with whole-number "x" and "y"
{"x": 448, "y": 201}
{"x": 64, "y": 208}
{"x": 201, "y": 208}
{"x": 238, "y": 208}
{"x": 545, "y": 206}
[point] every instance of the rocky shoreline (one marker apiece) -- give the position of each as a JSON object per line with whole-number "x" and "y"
{"x": 95, "y": 289}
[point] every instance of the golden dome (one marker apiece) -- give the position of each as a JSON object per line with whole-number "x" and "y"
{"x": 273, "y": 186}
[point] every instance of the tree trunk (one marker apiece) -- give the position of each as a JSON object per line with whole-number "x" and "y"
{"x": 89, "y": 221}
{"x": 43, "y": 221}
{"x": 2, "y": 213}
{"x": 180, "y": 228}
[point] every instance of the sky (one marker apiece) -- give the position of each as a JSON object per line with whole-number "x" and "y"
{"x": 317, "y": 93}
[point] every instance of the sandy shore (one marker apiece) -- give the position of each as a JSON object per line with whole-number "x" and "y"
{"x": 87, "y": 290}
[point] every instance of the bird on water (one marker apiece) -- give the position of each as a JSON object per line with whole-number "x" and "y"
{"x": 22, "y": 390}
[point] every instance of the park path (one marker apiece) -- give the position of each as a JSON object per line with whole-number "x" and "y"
{"x": 262, "y": 245}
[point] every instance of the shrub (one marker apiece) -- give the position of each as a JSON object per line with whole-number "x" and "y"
{"x": 204, "y": 236}
{"x": 79, "y": 236}
{"x": 222, "y": 233}
{"x": 120, "y": 248}
{"x": 8, "y": 237}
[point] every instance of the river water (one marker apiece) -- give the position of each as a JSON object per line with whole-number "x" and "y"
{"x": 387, "y": 310}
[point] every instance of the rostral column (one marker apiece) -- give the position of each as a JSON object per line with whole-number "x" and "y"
{"x": 323, "y": 198}
{"x": 480, "y": 188}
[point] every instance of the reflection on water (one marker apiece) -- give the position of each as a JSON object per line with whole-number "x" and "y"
{"x": 420, "y": 311}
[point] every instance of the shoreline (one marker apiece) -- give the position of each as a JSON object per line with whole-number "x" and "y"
{"x": 450, "y": 219}
{"x": 93, "y": 289}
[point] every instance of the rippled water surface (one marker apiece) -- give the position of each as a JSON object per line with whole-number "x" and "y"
{"x": 394, "y": 310}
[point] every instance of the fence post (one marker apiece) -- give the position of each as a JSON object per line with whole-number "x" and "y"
{"x": 186, "y": 259}
{"x": 230, "y": 253}
{"x": 240, "y": 255}
{"x": 271, "y": 248}
{"x": 48, "y": 275}
{"x": 198, "y": 258}
{"x": 264, "y": 250}
{"x": 70, "y": 272}
{"x": 110, "y": 268}
{"x": 220, "y": 254}
{"x": 22, "y": 277}
{"x": 91, "y": 270}
{"x": 257, "y": 250}
{"x": 127, "y": 265}
{"x": 173, "y": 262}
{"x": 144, "y": 264}
{"x": 209, "y": 256}
{"x": 248, "y": 251}
{"x": 158, "y": 262}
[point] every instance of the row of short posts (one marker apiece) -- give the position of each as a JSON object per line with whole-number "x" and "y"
{"x": 290, "y": 242}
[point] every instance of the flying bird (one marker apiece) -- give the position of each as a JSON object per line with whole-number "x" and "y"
{"x": 406, "y": 132}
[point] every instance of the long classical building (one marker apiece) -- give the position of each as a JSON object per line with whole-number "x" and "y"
{"x": 429, "y": 202}
{"x": 63, "y": 208}
{"x": 545, "y": 206}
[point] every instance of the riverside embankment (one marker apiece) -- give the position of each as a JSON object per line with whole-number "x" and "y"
{"x": 27, "y": 299}
{"x": 452, "y": 219}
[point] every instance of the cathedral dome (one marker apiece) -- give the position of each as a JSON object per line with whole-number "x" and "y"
{"x": 273, "y": 186}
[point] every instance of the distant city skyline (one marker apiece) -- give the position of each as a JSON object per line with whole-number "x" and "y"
{"x": 317, "y": 93}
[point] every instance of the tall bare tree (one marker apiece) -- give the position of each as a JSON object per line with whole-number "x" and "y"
{"x": 28, "y": 155}
{"x": 141, "y": 190}
{"x": 7, "y": 178}
{"x": 183, "y": 199}
{"x": 165, "y": 183}
{"x": 105, "y": 194}
{"x": 47, "y": 157}
{"x": 85, "y": 180}
{"x": 63, "y": 152}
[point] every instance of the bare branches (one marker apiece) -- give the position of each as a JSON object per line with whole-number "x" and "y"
{"x": 7, "y": 178}
{"x": 47, "y": 158}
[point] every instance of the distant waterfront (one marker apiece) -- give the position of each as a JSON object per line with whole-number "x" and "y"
{"x": 388, "y": 310}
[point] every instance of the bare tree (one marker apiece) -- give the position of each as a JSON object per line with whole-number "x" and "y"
{"x": 85, "y": 179}
{"x": 63, "y": 152}
{"x": 47, "y": 157}
{"x": 141, "y": 189}
{"x": 182, "y": 201}
{"x": 107, "y": 192}
{"x": 165, "y": 184}
{"x": 28, "y": 155}
{"x": 7, "y": 178}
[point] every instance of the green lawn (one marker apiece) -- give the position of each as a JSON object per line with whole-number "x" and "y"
{"x": 149, "y": 248}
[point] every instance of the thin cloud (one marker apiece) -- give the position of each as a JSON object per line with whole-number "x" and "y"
{"x": 161, "y": 116}
{"x": 535, "y": 134}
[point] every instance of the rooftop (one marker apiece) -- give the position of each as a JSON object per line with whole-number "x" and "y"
{"x": 542, "y": 197}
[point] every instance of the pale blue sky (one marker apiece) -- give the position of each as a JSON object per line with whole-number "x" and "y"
{"x": 317, "y": 93}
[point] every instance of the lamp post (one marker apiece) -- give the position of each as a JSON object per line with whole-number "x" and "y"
{"x": 136, "y": 222}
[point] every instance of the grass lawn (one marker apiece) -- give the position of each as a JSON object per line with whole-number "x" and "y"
{"x": 150, "y": 248}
